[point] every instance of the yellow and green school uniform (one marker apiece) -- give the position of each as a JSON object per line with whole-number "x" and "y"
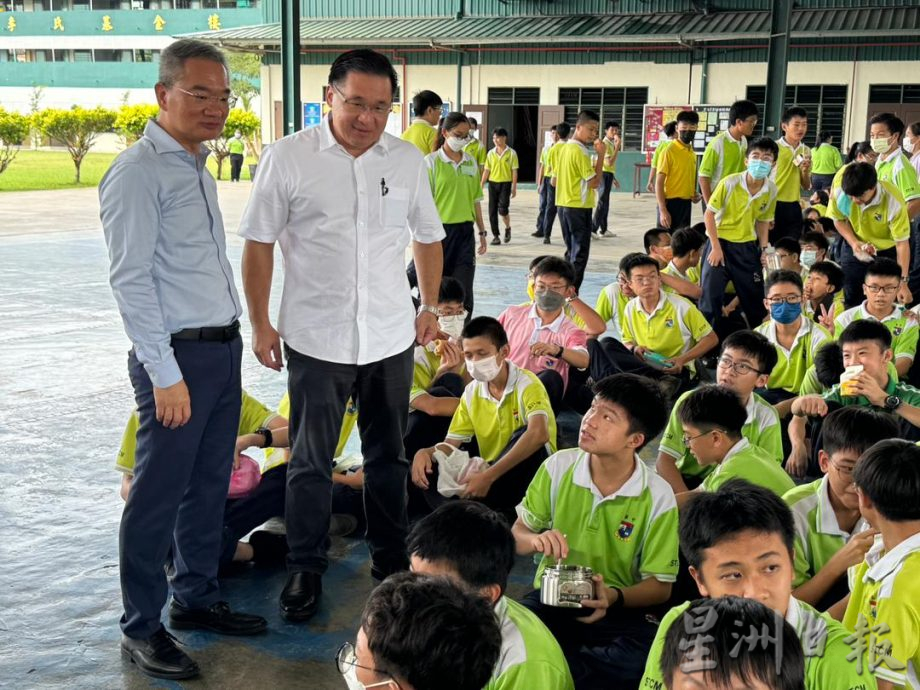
{"x": 501, "y": 165}
{"x": 573, "y": 171}
{"x": 744, "y": 461}
{"x": 724, "y": 156}
{"x": 882, "y": 222}
{"x": 422, "y": 135}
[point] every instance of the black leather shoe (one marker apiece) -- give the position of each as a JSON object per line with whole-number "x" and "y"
{"x": 158, "y": 656}
{"x": 216, "y": 618}
{"x": 507, "y": 235}
{"x": 538, "y": 233}
{"x": 300, "y": 596}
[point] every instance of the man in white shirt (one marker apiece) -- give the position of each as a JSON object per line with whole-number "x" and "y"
{"x": 343, "y": 200}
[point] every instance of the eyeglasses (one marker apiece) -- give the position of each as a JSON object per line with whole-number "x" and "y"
{"x": 792, "y": 299}
{"x": 740, "y": 367}
{"x": 887, "y": 289}
{"x": 346, "y": 659}
{"x": 845, "y": 471}
{"x": 203, "y": 99}
{"x": 765, "y": 159}
{"x": 644, "y": 280}
{"x": 359, "y": 107}
{"x": 686, "y": 439}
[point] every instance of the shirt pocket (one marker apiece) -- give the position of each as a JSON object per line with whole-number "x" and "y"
{"x": 395, "y": 206}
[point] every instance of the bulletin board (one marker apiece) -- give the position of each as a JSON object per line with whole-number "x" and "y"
{"x": 713, "y": 119}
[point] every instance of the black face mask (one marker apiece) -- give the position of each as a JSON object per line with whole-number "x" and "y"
{"x": 686, "y": 136}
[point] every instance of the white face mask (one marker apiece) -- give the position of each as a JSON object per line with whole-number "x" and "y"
{"x": 452, "y": 325}
{"x": 908, "y": 145}
{"x": 879, "y": 144}
{"x": 351, "y": 680}
{"x": 456, "y": 144}
{"x": 809, "y": 257}
{"x": 484, "y": 370}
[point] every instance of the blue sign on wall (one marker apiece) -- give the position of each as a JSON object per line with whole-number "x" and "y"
{"x": 312, "y": 114}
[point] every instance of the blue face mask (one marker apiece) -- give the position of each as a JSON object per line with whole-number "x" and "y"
{"x": 844, "y": 203}
{"x": 785, "y": 313}
{"x": 759, "y": 170}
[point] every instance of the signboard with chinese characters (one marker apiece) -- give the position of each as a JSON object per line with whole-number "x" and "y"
{"x": 713, "y": 119}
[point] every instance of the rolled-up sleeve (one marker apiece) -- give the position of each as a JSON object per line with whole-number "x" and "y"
{"x": 130, "y": 214}
{"x": 424, "y": 222}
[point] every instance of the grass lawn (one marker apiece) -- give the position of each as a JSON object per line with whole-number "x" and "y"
{"x": 32, "y": 170}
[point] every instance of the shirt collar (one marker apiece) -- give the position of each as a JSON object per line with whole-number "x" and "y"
{"x": 327, "y": 139}
{"x": 876, "y": 200}
{"x": 783, "y": 142}
{"x": 742, "y": 140}
{"x": 864, "y": 313}
{"x": 882, "y": 564}
{"x": 764, "y": 188}
{"x": 163, "y": 142}
{"x": 552, "y": 326}
{"x": 482, "y": 387}
{"x": 661, "y": 300}
{"x": 881, "y": 160}
{"x": 827, "y": 519}
{"x": 676, "y": 270}
{"x": 442, "y": 155}
{"x": 804, "y": 328}
{"x": 633, "y": 486}
{"x": 421, "y": 121}
{"x": 741, "y": 445}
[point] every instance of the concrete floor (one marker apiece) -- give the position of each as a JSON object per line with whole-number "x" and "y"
{"x": 64, "y": 399}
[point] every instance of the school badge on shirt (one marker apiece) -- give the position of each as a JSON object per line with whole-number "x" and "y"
{"x": 669, "y": 323}
{"x": 878, "y": 217}
{"x": 625, "y": 531}
{"x": 897, "y": 331}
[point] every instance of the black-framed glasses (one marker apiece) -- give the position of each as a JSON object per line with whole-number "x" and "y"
{"x": 359, "y": 107}
{"x": 792, "y": 299}
{"x": 686, "y": 439}
{"x": 740, "y": 367}
{"x": 346, "y": 659}
{"x": 887, "y": 289}
{"x": 204, "y": 99}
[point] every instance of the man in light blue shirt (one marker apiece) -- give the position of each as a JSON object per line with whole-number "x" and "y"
{"x": 175, "y": 292}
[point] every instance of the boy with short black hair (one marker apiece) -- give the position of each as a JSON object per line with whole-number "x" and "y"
{"x": 712, "y": 418}
{"x": 745, "y": 365}
{"x": 476, "y": 148}
{"x": 823, "y": 293}
{"x": 469, "y": 543}
{"x": 612, "y": 299}
{"x": 792, "y": 174}
{"x": 788, "y": 251}
{"x": 885, "y": 133}
{"x": 684, "y": 267}
{"x": 657, "y": 243}
{"x": 423, "y": 132}
{"x": 614, "y": 145}
{"x": 501, "y": 172}
{"x": 716, "y": 626}
{"x": 544, "y": 175}
{"x": 814, "y": 247}
{"x": 725, "y": 155}
{"x": 563, "y": 131}
{"x": 739, "y": 541}
{"x": 830, "y": 535}
{"x": 599, "y": 506}
{"x": 884, "y": 605}
{"x": 675, "y": 182}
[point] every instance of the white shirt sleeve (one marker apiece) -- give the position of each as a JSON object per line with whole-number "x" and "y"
{"x": 267, "y": 211}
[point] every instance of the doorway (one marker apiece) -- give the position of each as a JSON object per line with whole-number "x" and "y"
{"x": 516, "y": 109}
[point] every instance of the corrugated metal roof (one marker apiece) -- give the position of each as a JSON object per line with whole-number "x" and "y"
{"x": 625, "y": 28}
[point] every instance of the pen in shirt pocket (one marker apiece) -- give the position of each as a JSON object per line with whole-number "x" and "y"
{"x": 384, "y": 190}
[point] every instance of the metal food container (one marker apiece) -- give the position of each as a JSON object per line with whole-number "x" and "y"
{"x": 566, "y": 586}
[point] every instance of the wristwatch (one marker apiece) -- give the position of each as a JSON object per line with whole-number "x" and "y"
{"x": 903, "y": 279}
{"x": 892, "y": 403}
{"x": 266, "y": 436}
{"x": 428, "y": 308}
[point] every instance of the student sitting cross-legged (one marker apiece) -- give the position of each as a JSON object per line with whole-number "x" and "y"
{"x": 745, "y": 365}
{"x": 700, "y": 648}
{"x": 712, "y": 418}
{"x": 830, "y": 534}
{"x": 885, "y": 601}
{"x": 599, "y": 506}
{"x": 473, "y": 545}
{"x": 506, "y": 411}
{"x": 738, "y": 541}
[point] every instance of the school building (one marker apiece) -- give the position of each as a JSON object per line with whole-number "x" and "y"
{"x": 527, "y": 64}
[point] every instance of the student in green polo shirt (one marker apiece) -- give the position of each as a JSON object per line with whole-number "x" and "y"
{"x": 599, "y": 506}
{"x": 712, "y": 419}
{"x": 576, "y": 180}
{"x": 726, "y": 154}
{"x": 501, "y": 172}
{"x": 675, "y": 182}
{"x": 830, "y": 534}
{"x": 614, "y": 145}
{"x": 871, "y": 217}
{"x": 669, "y": 134}
{"x": 475, "y": 148}
{"x": 422, "y": 132}
{"x": 739, "y": 541}
{"x": 563, "y": 131}
{"x": 884, "y": 607}
{"x": 454, "y": 179}
{"x": 885, "y": 133}
{"x": 883, "y": 278}
{"x": 823, "y": 293}
{"x": 506, "y": 410}
{"x": 236, "y": 148}
{"x": 792, "y": 174}
{"x": 682, "y": 272}
{"x": 745, "y": 365}
{"x": 471, "y": 544}
{"x": 544, "y": 175}
{"x": 825, "y": 162}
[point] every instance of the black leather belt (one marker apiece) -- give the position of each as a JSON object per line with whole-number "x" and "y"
{"x": 215, "y": 334}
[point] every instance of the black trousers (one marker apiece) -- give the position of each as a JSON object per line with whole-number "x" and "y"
{"x": 819, "y": 182}
{"x": 425, "y": 430}
{"x": 576, "y": 233}
{"x": 680, "y": 211}
{"x": 603, "y": 203}
{"x": 555, "y": 388}
{"x": 549, "y": 216}
{"x": 499, "y": 203}
{"x": 319, "y": 391}
{"x": 236, "y": 166}
{"x": 459, "y": 249}
{"x": 742, "y": 267}
{"x": 788, "y": 221}
{"x": 854, "y": 273}
{"x": 179, "y": 488}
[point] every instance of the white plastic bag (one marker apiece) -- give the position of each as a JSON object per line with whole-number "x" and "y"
{"x": 455, "y": 467}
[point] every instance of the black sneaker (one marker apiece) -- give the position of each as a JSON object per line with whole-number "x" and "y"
{"x": 496, "y": 240}
{"x": 216, "y": 618}
{"x": 538, "y": 233}
{"x": 158, "y": 656}
{"x": 507, "y": 235}
{"x": 546, "y": 240}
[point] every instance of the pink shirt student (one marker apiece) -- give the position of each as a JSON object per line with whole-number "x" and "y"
{"x": 525, "y": 327}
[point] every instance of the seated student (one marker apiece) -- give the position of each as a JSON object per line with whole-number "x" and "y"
{"x": 818, "y": 201}
{"x": 738, "y": 541}
{"x": 809, "y": 215}
{"x": 439, "y": 376}
{"x": 506, "y": 411}
{"x": 885, "y": 600}
{"x": 825, "y": 373}
{"x": 883, "y": 278}
{"x": 745, "y": 365}
{"x": 422, "y": 633}
{"x": 657, "y": 243}
{"x": 712, "y": 418}
{"x": 788, "y": 251}
{"x": 599, "y": 506}
{"x": 795, "y": 337}
{"x": 823, "y": 293}
{"x": 713, "y": 627}
{"x": 655, "y": 322}
{"x": 542, "y": 339}
{"x": 581, "y": 314}
{"x": 830, "y": 535}
{"x": 472, "y": 545}
{"x": 611, "y": 302}
{"x": 682, "y": 273}
{"x": 814, "y": 247}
